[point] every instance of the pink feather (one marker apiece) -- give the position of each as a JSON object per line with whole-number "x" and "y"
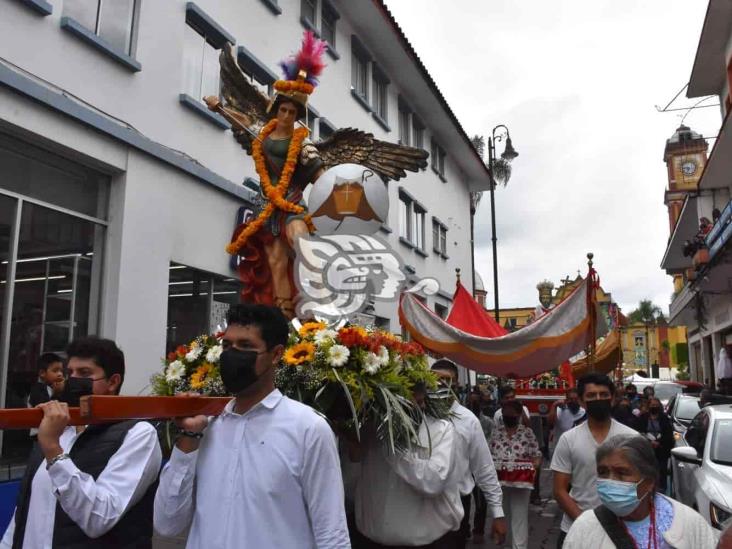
{"x": 308, "y": 59}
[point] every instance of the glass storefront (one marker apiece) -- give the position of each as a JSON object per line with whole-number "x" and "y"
{"x": 59, "y": 210}
{"x": 197, "y": 303}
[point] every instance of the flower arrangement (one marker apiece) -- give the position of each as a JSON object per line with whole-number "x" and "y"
{"x": 192, "y": 367}
{"x": 356, "y": 376}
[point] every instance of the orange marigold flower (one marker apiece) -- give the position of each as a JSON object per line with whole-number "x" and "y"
{"x": 353, "y": 336}
{"x": 300, "y": 353}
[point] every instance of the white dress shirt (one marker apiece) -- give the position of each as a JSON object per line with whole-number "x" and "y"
{"x": 473, "y": 459}
{"x": 410, "y": 499}
{"x": 95, "y": 506}
{"x": 267, "y": 478}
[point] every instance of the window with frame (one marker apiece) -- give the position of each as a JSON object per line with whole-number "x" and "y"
{"x": 200, "y": 64}
{"x": 381, "y": 95}
{"x": 359, "y": 71}
{"x": 438, "y": 159}
{"x": 406, "y": 225}
{"x": 328, "y": 20}
{"x": 260, "y": 76}
{"x": 418, "y": 217}
{"x": 308, "y": 11}
{"x": 113, "y": 21}
{"x": 439, "y": 237}
{"x": 441, "y": 310}
{"x": 417, "y": 133}
{"x": 405, "y": 126}
{"x": 326, "y": 129}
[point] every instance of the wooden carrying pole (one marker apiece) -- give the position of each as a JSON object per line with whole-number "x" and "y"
{"x": 112, "y": 408}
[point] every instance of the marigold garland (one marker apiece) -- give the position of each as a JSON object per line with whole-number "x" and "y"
{"x": 275, "y": 194}
{"x": 294, "y": 85}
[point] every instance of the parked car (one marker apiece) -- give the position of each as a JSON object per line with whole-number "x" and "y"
{"x": 702, "y": 468}
{"x": 682, "y": 409}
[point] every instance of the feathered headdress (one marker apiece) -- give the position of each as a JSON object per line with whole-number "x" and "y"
{"x": 301, "y": 71}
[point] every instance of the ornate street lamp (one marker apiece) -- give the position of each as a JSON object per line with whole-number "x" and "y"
{"x": 499, "y": 169}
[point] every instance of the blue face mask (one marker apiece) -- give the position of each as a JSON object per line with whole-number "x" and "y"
{"x": 618, "y": 496}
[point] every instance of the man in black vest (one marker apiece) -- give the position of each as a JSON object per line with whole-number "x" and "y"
{"x": 93, "y": 486}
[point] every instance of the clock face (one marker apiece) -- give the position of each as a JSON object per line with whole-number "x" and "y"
{"x": 688, "y": 167}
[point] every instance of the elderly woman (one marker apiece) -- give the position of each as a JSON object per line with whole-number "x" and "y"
{"x": 516, "y": 456}
{"x": 633, "y": 513}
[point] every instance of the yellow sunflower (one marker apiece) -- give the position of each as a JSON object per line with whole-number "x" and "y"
{"x": 311, "y": 328}
{"x": 198, "y": 378}
{"x": 300, "y": 353}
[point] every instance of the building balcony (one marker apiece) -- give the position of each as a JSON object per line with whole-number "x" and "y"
{"x": 710, "y": 272}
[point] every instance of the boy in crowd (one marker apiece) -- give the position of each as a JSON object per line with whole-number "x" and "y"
{"x": 50, "y": 379}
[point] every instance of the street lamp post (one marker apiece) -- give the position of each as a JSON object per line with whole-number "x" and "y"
{"x": 508, "y": 155}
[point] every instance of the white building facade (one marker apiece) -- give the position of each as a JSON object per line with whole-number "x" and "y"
{"x": 119, "y": 190}
{"x": 704, "y": 302}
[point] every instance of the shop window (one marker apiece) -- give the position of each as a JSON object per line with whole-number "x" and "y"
{"x": 51, "y": 266}
{"x": 112, "y": 21}
{"x": 197, "y": 303}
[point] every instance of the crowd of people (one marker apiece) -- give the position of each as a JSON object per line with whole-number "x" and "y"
{"x": 271, "y": 472}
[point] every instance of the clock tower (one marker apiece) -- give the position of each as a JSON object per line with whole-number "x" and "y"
{"x": 685, "y": 156}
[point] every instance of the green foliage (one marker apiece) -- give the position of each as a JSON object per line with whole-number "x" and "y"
{"x": 681, "y": 353}
{"x": 682, "y": 372}
{"x": 646, "y": 313}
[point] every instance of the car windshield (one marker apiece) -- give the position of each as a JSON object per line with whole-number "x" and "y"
{"x": 722, "y": 442}
{"x": 687, "y": 408}
{"x": 664, "y": 391}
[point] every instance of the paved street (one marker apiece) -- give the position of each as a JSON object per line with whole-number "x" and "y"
{"x": 544, "y": 519}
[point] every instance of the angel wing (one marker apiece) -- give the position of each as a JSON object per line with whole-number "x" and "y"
{"x": 248, "y": 104}
{"x": 389, "y": 160}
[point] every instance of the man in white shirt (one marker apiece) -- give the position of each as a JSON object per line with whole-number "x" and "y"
{"x": 87, "y": 487}
{"x": 410, "y": 499}
{"x": 573, "y": 462}
{"x": 564, "y": 415}
{"x": 265, "y": 473}
{"x": 509, "y": 393}
{"x": 473, "y": 460}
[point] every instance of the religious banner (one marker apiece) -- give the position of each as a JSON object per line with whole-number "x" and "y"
{"x": 561, "y": 333}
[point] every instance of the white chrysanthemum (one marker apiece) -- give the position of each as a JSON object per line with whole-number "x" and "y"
{"x": 372, "y": 363}
{"x": 213, "y": 354}
{"x": 325, "y": 335}
{"x": 383, "y": 356}
{"x": 175, "y": 371}
{"x": 193, "y": 354}
{"x": 338, "y": 355}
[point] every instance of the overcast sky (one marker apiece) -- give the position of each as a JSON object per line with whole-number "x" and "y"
{"x": 576, "y": 82}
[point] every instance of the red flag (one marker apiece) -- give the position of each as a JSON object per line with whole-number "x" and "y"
{"x": 468, "y": 315}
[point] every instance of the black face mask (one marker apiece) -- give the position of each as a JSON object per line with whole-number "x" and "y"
{"x": 573, "y": 407}
{"x": 74, "y": 389}
{"x": 599, "y": 409}
{"x": 238, "y": 369}
{"x": 655, "y": 410}
{"x": 510, "y": 421}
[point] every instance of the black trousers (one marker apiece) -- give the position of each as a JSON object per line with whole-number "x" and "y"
{"x": 481, "y": 512}
{"x": 464, "y": 532}
{"x": 448, "y": 541}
